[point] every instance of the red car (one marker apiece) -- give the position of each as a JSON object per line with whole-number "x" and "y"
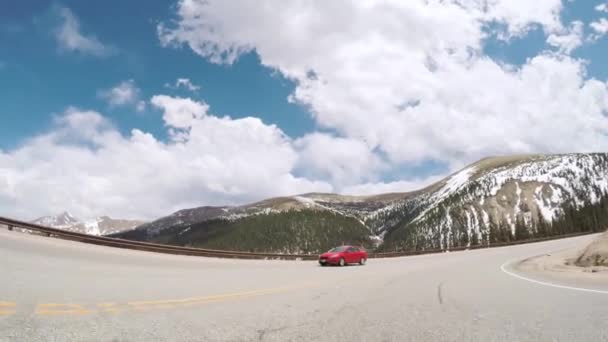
{"x": 344, "y": 255}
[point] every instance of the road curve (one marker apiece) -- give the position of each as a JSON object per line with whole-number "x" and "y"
{"x": 56, "y": 290}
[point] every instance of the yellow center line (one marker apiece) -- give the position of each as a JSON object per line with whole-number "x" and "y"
{"x": 7, "y": 308}
{"x": 110, "y": 307}
{"x": 48, "y": 309}
{"x": 61, "y": 309}
{"x": 214, "y": 297}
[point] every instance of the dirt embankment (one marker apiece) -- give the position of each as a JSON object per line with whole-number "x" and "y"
{"x": 564, "y": 267}
{"x": 596, "y": 254}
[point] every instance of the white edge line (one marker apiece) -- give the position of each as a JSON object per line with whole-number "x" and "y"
{"x": 503, "y": 268}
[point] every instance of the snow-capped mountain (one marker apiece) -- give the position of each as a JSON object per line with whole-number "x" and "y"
{"x": 102, "y": 225}
{"x": 494, "y": 200}
{"x": 62, "y": 221}
{"x": 357, "y": 207}
{"x": 504, "y": 199}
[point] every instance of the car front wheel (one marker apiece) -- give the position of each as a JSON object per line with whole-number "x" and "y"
{"x": 362, "y": 261}
{"x": 342, "y": 262}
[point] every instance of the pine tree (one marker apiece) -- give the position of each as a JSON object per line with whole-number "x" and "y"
{"x": 521, "y": 231}
{"x": 494, "y": 233}
{"x": 541, "y": 225}
{"x": 474, "y": 239}
{"x": 506, "y": 235}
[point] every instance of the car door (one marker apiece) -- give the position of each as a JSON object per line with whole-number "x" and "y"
{"x": 361, "y": 254}
{"x": 352, "y": 255}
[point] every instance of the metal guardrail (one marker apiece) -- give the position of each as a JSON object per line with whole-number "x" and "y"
{"x": 159, "y": 248}
{"x": 145, "y": 246}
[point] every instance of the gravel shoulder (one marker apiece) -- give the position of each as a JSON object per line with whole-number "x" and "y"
{"x": 564, "y": 266}
{"x": 596, "y": 254}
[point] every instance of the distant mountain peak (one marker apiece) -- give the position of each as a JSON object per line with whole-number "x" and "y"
{"x": 102, "y": 225}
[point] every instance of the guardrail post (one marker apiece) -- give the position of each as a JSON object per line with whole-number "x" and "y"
{"x": 10, "y": 227}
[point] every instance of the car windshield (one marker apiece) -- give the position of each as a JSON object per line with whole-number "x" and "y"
{"x": 337, "y": 249}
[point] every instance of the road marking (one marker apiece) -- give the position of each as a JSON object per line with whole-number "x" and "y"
{"x": 195, "y": 299}
{"x": 7, "y": 308}
{"x": 50, "y": 309}
{"x": 110, "y": 307}
{"x": 61, "y": 309}
{"x": 171, "y": 303}
{"x": 582, "y": 289}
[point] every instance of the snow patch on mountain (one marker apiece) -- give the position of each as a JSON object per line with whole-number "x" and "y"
{"x": 62, "y": 220}
{"x": 92, "y": 227}
{"x": 518, "y": 190}
{"x": 102, "y": 225}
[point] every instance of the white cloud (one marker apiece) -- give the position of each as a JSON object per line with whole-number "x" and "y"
{"x": 410, "y": 78}
{"x": 569, "y": 38}
{"x": 140, "y": 106}
{"x": 519, "y": 16}
{"x": 180, "y": 112}
{"x": 86, "y": 166}
{"x": 186, "y": 83}
{"x": 600, "y": 27}
{"x": 183, "y": 83}
{"x": 388, "y": 82}
{"x": 602, "y": 8}
{"x": 397, "y": 186}
{"x": 70, "y": 38}
{"x": 126, "y": 93}
{"x": 343, "y": 161}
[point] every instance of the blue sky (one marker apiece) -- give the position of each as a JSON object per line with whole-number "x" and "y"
{"x": 33, "y": 65}
{"x": 470, "y": 74}
{"x": 517, "y": 51}
{"x": 40, "y": 80}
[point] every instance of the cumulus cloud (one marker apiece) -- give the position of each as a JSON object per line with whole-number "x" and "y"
{"x": 183, "y": 83}
{"x": 87, "y": 166}
{"x": 343, "y": 161}
{"x": 179, "y": 112}
{"x": 410, "y": 78}
{"x": 518, "y": 16}
{"x": 568, "y": 39}
{"x": 70, "y": 38}
{"x": 600, "y": 27}
{"x": 602, "y": 8}
{"x": 126, "y": 93}
{"x": 388, "y": 83}
{"x": 371, "y": 188}
{"x": 186, "y": 83}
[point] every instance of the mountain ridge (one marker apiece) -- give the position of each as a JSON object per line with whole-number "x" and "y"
{"x": 483, "y": 202}
{"x": 101, "y": 225}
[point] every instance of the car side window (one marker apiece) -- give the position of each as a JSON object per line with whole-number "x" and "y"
{"x": 353, "y": 249}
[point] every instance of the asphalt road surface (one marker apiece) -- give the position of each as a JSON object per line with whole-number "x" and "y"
{"x": 55, "y": 290}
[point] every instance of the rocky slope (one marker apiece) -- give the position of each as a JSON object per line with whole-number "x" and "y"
{"x": 596, "y": 254}
{"x": 99, "y": 226}
{"x": 503, "y": 199}
{"x": 494, "y": 200}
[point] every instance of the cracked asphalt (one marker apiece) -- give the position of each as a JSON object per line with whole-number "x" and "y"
{"x": 56, "y": 290}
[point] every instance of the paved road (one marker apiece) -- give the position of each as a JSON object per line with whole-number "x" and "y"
{"x": 55, "y": 290}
